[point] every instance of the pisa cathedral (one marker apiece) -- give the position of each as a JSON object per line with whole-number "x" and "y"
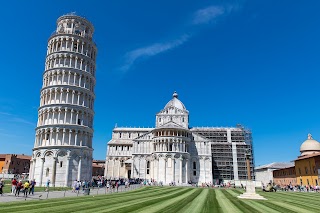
{"x": 174, "y": 152}
{"x": 62, "y": 150}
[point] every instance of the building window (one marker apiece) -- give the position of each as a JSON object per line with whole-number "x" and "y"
{"x": 120, "y": 135}
{"x": 308, "y": 182}
{"x": 148, "y": 167}
{"x": 79, "y": 121}
{"x": 183, "y": 120}
{"x": 60, "y": 163}
{"x": 194, "y": 165}
{"x": 47, "y": 172}
{"x": 299, "y": 171}
{"x": 159, "y": 119}
{"x": 129, "y": 135}
{"x": 306, "y": 171}
{"x": 194, "y": 173}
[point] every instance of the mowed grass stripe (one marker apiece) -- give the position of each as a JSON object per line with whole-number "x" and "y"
{"x": 225, "y": 203}
{"x": 295, "y": 200}
{"x": 78, "y": 201}
{"x": 205, "y": 202}
{"x": 293, "y": 195}
{"x": 272, "y": 205}
{"x": 241, "y": 205}
{"x": 310, "y": 206}
{"x": 274, "y": 197}
{"x": 158, "y": 206}
{"x": 141, "y": 203}
{"x": 212, "y": 204}
{"x": 197, "y": 203}
{"x": 114, "y": 203}
{"x": 181, "y": 202}
{"x": 50, "y": 202}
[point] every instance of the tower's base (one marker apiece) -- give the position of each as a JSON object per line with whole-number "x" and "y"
{"x": 251, "y": 192}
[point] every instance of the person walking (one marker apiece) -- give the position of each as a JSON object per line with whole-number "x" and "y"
{"x": 47, "y": 185}
{"x": 1, "y": 187}
{"x": 26, "y": 187}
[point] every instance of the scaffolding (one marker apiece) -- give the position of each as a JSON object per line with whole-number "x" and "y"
{"x": 225, "y": 148}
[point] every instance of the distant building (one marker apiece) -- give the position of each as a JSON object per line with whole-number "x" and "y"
{"x": 264, "y": 173}
{"x": 14, "y": 164}
{"x": 175, "y": 152}
{"x": 285, "y": 176}
{"x": 306, "y": 167}
{"x": 98, "y": 167}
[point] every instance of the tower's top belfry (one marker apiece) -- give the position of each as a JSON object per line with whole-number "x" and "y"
{"x": 74, "y": 24}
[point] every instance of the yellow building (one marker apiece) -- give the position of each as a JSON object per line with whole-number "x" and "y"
{"x": 308, "y": 163}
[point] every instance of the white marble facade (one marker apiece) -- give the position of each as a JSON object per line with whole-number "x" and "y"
{"x": 63, "y": 144}
{"x": 170, "y": 152}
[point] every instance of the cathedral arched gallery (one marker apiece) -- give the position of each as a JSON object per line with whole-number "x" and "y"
{"x": 175, "y": 152}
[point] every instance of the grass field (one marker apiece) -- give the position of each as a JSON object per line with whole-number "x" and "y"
{"x": 173, "y": 199}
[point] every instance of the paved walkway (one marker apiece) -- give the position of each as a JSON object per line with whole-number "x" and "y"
{"x": 61, "y": 194}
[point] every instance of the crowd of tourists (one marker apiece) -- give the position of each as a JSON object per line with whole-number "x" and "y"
{"x": 17, "y": 187}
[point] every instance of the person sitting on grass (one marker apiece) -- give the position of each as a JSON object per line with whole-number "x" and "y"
{"x": 1, "y": 187}
{"x": 26, "y": 187}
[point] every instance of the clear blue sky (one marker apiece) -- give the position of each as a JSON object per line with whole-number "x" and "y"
{"x": 249, "y": 62}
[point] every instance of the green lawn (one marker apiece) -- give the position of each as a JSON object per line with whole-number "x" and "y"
{"x": 173, "y": 199}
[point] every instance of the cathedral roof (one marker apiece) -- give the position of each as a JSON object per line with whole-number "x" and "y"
{"x": 175, "y": 102}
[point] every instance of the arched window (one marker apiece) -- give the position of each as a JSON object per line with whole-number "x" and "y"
{"x": 194, "y": 165}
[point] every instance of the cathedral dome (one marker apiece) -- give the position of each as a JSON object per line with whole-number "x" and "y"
{"x": 310, "y": 146}
{"x": 175, "y": 102}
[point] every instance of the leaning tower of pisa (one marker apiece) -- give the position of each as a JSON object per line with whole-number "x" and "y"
{"x": 62, "y": 150}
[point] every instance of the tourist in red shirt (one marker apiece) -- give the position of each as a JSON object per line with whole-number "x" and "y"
{"x": 19, "y": 187}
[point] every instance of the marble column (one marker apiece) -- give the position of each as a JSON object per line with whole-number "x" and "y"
{"x": 173, "y": 168}
{"x": 180, "y": 178}
{"x": 54, "y": 170}
{"x": 79, "y": 168}
{"x": 41, "y": 171}
{"x": 67, "y": 171}
{"x": 187, "y": 170}
{"x": 33, "y": 167}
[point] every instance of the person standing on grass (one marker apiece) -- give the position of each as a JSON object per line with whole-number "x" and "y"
{"x": 26, "y": 187}
{"x": 13, "y": 185}
{"x": 19, "y": 187}
{"x": 1, "y": 187}
{"x": 117, "y": 185}
{"x": 32, "y": 185}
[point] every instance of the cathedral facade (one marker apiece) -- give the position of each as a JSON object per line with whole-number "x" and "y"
{"x": 174, "y": 152}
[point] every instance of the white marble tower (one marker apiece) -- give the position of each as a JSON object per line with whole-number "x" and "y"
{"x": 63, "y": 144}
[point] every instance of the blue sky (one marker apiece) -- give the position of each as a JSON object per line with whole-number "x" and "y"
{"x": 249, "y": 62}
